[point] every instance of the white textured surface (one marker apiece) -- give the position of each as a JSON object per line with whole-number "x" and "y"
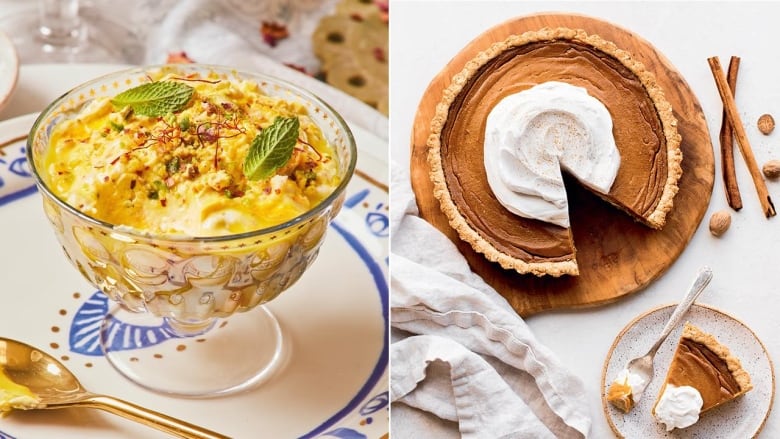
{"x": 744, "y": 260}
{"x": 737, "y": 419}
{"x": 9, "y": 69}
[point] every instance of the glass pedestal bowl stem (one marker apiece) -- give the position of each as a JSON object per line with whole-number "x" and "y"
{"x": 189, "y": 329}
{"x": 212, "y": 358}
{"x": 63, "y": 31}
{"x": 59, "y": 22}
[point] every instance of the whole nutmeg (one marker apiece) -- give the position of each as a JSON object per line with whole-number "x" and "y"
{"x": 720, "y": 222}
{"x": 766, "y": 123}
{"x": 771, "y": 169}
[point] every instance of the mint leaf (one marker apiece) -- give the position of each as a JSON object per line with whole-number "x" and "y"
{"x": 272, "y": 148}
{"x": 155, "y": 98}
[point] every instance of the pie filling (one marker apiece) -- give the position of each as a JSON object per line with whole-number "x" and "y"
{"x": 697, "y": 366}
{"x": 626, "y": 390}
{"x": 637, "y": 130}
{"x": 533, "y": 135}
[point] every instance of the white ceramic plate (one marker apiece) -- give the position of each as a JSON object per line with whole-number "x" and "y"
{"x": 9, "y": 69}
{"x": 333, "y": 386}
{"x": 738, "y": 419}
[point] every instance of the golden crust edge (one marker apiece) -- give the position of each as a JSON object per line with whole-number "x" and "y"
{"x": 733, "y": 363}
{"x": 479, "y": 244}
{"x": 656, "y": 219}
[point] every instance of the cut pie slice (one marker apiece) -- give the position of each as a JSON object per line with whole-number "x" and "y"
{"x": 643, "y": 127}
{"x": 703, "y": 374}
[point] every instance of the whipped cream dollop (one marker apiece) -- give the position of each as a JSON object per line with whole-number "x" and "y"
{"x": 678, "y": 407}
{"x": 532, "y": 134}
{"x": 632, "y": 380}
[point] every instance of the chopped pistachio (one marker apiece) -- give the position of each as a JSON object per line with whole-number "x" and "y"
{"x": 184, "y": 123}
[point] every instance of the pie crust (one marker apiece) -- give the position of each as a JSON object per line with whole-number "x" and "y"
{"x": 733, "y": 364}
{"x": 458, "y": 222}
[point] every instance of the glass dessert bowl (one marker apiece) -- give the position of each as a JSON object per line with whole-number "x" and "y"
{"x": 182, "y": 283}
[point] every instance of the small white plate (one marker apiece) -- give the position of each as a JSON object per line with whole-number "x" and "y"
{"x": 336, "y": 318}
{"x": 737, "y": 419}
{"x": 9, "y": 69}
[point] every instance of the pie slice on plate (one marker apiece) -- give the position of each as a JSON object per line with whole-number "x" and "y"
{"x": 703, "y": 375}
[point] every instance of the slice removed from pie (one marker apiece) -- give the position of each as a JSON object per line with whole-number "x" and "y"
{"x": 703, "y": 375}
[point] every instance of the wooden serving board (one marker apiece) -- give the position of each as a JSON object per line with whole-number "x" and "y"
{"x": 616, "y": 255}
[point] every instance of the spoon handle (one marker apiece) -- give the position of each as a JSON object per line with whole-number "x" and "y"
{"x": 701, "y": 282}
{"x": 149, "y": 418}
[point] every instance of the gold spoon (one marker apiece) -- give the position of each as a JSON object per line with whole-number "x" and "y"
{"x": 56, "y": 387}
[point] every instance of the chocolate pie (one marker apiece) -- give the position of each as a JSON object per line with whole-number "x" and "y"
{"x": 643, "y": 127}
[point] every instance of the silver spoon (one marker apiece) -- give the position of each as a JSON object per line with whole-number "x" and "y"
{"x": 643, "y": 366}
{"x": 56, "y": 387}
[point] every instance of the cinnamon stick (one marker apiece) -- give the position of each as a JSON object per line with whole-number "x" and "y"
{"x": 739, "y": 131}
{"x": 727, "y": 144}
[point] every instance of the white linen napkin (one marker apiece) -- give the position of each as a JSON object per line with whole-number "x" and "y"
{"x": 459, "y": 351}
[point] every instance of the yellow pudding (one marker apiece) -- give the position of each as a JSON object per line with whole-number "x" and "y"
{"x": 621, "y": 396}
{"x": 183, "y": 172}
{"x": 191, "y": 192}
{"x": 15, "y": 396}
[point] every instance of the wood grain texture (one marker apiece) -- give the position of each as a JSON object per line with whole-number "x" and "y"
{"x": 616, "y": 255}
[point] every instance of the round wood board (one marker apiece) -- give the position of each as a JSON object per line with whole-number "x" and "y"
{"x": 616, "y": 255}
